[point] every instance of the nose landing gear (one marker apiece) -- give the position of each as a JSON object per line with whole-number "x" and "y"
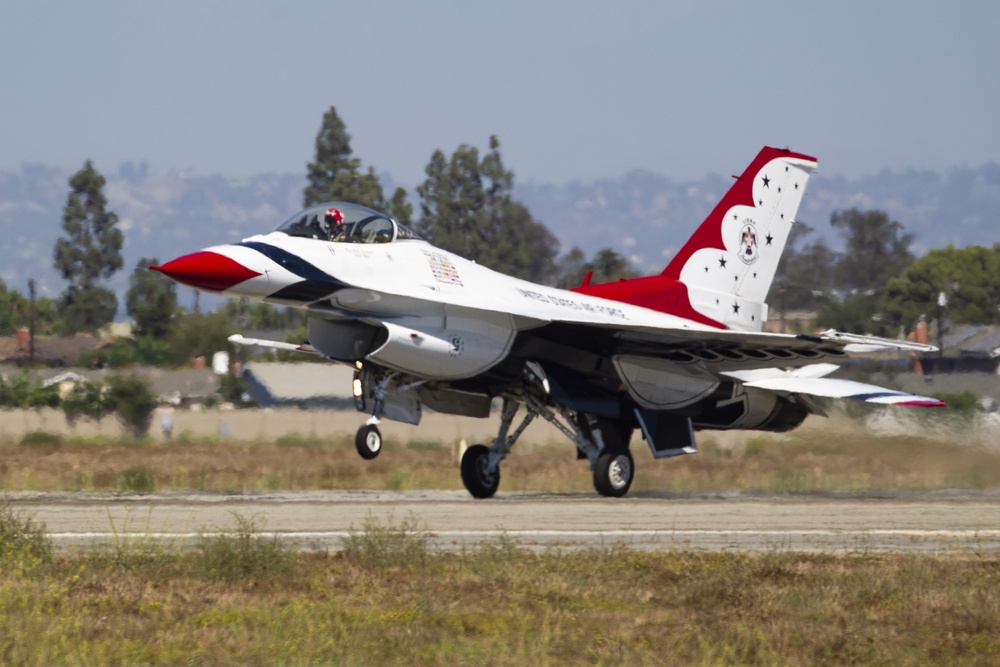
{"x": 390, "y": 397}
{"x": 368, "y": 440}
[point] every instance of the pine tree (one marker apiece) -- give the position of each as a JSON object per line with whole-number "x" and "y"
{"x": 468, "y": 208}
{"x": 90, "y": 251}
{"x": 337, "y": 175}
{"x": 876, "y": 249}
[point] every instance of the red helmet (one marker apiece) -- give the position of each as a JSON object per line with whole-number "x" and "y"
{"x": 334, "y": 217}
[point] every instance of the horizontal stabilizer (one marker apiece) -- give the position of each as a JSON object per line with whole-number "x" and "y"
{"x": 756, "y": 374}
{"x": 837, "y": 388}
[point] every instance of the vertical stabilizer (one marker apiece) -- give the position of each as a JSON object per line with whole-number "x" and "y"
{"x": 730, "y": 261}
{"x": 721, "y": 276}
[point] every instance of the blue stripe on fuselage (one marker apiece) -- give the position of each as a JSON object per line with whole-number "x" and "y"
{"x": 316, "y": 284}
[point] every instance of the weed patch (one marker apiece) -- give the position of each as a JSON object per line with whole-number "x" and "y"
{"x": 23, "y": 543}
{"x": 137, "y": 479}
{"x": 387, "y": 545}
{"x": 41, "y": 439}
{"x": 243, "y": 554}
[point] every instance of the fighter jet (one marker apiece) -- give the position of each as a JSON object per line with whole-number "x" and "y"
{"x": 668, "y": 354}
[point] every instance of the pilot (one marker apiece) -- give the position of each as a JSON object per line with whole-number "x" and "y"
{"x": 333, "y": 221}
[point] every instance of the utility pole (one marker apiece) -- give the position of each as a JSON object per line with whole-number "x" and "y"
{"x": 31, "y": 321}
{"x": 942, "y": 303}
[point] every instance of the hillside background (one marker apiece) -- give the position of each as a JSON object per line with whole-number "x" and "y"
{"x": 643, "y": 215}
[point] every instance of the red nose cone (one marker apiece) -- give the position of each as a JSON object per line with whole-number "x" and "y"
{"x": 206, "y": 270}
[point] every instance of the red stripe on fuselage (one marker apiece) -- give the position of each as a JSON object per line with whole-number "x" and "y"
{"x": 659, "y": 293}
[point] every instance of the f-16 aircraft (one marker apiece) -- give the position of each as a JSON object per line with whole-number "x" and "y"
{"x": 667, "y": 354}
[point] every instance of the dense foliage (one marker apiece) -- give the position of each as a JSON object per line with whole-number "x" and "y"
{"x": 468, "y": 208}
{"x": 129, "y": 397}
{"x": 151, "y": 300}
{"x": 964, "y": 282}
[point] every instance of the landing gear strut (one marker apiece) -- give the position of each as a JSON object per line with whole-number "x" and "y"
{"x": 603, "y": 442}
{"x": 481, "y": 464}
{"x": 385, "y": 390}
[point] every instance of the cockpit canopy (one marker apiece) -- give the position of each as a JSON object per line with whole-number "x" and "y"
{"x": 343, "y": 222}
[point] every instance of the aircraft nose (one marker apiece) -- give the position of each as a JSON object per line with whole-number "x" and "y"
{"x": 206, "y": 270}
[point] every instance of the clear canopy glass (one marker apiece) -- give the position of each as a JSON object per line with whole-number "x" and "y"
{"x": 343, "y": 222}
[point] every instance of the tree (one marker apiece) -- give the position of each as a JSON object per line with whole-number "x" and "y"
{"x": 860, "y": 313}
{"x": 132, "y": 398}
{"x": 876, "y": 250}
{"x": 969, "y": 279}
{"x": 467, "y": 208}
{"x": 336, "y": 174}
{"x": 151, "y": 300}
{"x": 804, "y": 279}
{"x": 248, "y": 315}
{"x": 91, "y": 250}
{"x": 199, "y": 334}
{"x": 13, "y": 310}
{"x": 606, "y": 265}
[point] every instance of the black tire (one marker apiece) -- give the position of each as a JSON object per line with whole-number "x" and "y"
{"x": 368, "y": 441}
{"x": 613, "y": 473}
{"x": 479, "y": 483}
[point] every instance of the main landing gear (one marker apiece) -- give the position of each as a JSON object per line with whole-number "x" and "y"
{"x": 604, "y": 443}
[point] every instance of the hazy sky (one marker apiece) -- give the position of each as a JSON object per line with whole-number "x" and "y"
{"x": 574, "y": 90}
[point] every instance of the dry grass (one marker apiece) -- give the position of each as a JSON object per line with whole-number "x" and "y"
{"x": 822, "y": 456}
{"x": 243, "y": 599}
{"x": 499, "y": 605}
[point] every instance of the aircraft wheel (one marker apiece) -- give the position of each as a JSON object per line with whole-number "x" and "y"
{"x": 368, "y": 441}
{"x": 479, "y": 482}
{"x": 613, "y": 473}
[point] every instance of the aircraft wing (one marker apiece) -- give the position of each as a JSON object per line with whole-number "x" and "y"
{"x": 668, "y": 368}
{"x": 721, "y": 350}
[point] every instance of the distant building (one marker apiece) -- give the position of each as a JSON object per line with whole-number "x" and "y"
{"x": 49, "y": 351}
{"x": 303, "y": 385}
{"x": 966, "y": 348}
{"x": 182, "y": 387}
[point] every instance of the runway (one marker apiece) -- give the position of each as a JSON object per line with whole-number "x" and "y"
{"x": 319, "y": 520}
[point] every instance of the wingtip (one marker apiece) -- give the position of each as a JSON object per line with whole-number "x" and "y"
{"x": 924, "y": 403}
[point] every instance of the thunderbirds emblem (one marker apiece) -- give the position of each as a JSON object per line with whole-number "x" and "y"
{"x": 748, "y": 243}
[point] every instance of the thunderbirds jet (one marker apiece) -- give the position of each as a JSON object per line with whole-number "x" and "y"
{"x": 667, "y": 354}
